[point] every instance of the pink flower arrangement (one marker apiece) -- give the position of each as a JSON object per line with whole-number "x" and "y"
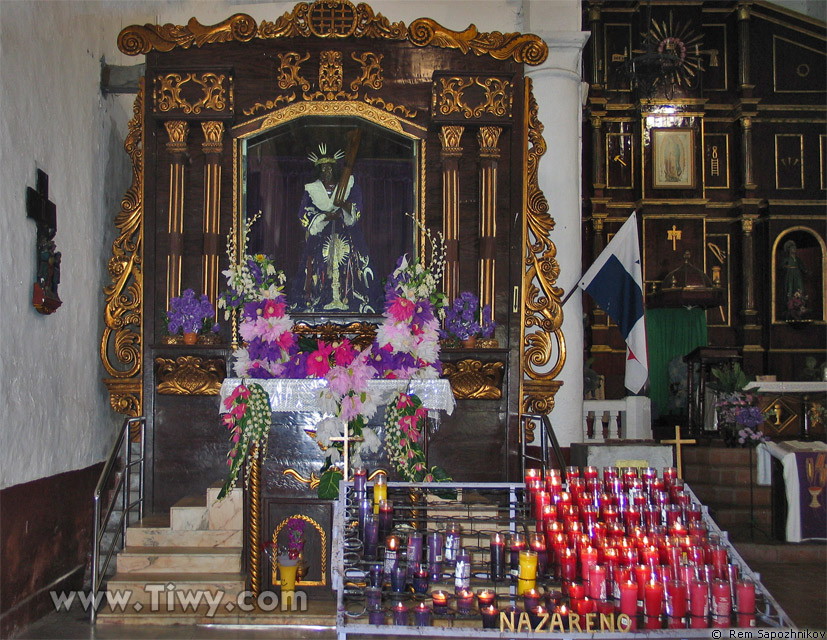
{"x": 247, "y": 419}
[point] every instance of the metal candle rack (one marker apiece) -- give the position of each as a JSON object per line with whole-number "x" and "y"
{"x": 480, "y": 509}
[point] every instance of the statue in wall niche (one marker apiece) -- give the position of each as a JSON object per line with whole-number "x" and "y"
{"x": 335, "y": 273}
{"x": 794, "y": 273}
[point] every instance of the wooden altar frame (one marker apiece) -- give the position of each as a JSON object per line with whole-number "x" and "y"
{"x": 538, "y": 336}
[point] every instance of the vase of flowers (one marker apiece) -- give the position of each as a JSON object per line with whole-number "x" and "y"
{"x": 736, "y": 410}
{"x": 465, "y": 321}
{"x": 189, "y": 316}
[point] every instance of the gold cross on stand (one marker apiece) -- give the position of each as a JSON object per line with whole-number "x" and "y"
{"x": 346, "y": 439}
{"x": 678, "y": 442}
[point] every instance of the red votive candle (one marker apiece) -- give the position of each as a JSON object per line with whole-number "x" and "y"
{"x": 588, "y": 558}
{"x": 721, "y": 599}
{"x": 745, "y": 596}
{"x": 653, "y": 598}
{"x": 643, "y": 574}
{"x": 628, "y": 598}
{"x": 532, "y": 474}
{"x": 465, "y": 600}
{"x": 606, "y": 607}
{"x": 400, "y": 614}
{"x": 577, "y": 591}
{"x": 585, "y": 606}
{"x": 699, "y": 600}
{"x": 669, "y": 475}
{"x": 568, "y": 565}
{"x": 597, "y": 582}
{"x": 675, "y": 599}
{"x": 719, "y": 561}
{"x": 486, "y": 597}
{"x": 440, "y": 599}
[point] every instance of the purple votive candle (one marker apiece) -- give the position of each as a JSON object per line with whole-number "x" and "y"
{"x": 373, "y": 597}
{"x": 435, "y": 555}
{"x": 489, "y": 614}
{"x": 376, "y": 574}
{"x": 365, "y": 509}
{"x": 420, "y": 579}
{"x": 400, "y": 614}
{"x": 440, "y": 599}
{"x": 414, "y": 554}
{"x": 422, "y": 615}
{"x": 371, "y": 537}
{"x": 376, "y": 615}
{"x": 465, "y": 600}
{"x": 398, "y": 579}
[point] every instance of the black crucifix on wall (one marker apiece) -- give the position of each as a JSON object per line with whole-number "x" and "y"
{"x": 44, "y": 213}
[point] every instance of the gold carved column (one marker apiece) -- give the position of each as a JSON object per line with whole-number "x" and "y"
{"x": 177, "y": 130}
{"x": 749, "y": 266}
{"x": 450, "y": 137}
{"x": 488, "y": 138}
{"x": 212, "y": 147}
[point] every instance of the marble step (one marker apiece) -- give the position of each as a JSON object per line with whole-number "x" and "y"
{"x": 182, "y": 560}
{"x": 319, "y": 616}
{"x": 227, "y": 514}
{"x": 170, "y": 587}
{"x": 146, "y": 535}
{"x": 189, "y": 514}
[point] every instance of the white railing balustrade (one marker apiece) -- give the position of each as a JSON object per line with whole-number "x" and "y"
{"x": 627, "y": 419}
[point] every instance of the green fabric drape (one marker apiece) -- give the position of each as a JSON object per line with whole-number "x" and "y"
{"x": 670, "y": 333}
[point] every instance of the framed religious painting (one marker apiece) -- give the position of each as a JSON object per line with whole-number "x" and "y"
{"x": 673, "y": 158}
{"x": 332, "y": 199}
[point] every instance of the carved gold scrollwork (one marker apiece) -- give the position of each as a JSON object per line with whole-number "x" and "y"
{"x": 330, "y": 71}
{"x": 543, "y": 344}
{"x": 497, "y": 97}
{"x": 522, "y": 47}
{"x": 216, "y": 97}
{"x": 136, "y": 40}
{"x": 121, "y": 343}
{"x": 190, "y": 376}
{"x": 312, "y": 481}
{"x": 390, "y": 106}
{"x": 270, "y": 104}
{"x": 450, "y": 98}
{"x": 472, "y": 379}
{"x": 289, "y": 71}
{"x": 333, "y": 19}
{"x": 371, "y": 71}
{"x": 360, "y": 334}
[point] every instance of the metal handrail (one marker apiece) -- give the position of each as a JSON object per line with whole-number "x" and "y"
{"x": 547, "y": 437}
{"x": 121, "y": 491}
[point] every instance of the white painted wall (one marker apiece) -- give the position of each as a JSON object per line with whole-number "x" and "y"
{"x": 55, "y": 411}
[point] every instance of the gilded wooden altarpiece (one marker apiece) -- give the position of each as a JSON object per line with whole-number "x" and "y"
{"x": 476, "y": 142}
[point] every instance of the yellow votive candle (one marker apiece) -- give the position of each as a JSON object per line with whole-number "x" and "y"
{"x": 528, "y": 572}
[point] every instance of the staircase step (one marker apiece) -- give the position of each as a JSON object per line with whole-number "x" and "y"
{"x": 146, "y": 536}
{"x": 291, "y": 624}
{"x": 182, "y": 560}
{"x": 132, "y": 586}
{"x": 227, "y": 513}
{"x": 189, "y": 514}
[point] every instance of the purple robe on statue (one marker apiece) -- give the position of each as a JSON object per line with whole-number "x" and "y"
{"x": 335, "y": 273}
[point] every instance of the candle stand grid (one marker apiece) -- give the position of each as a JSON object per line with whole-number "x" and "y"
{"x": 480, "y": 510}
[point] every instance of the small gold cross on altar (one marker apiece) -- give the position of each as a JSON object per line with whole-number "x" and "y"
{"x": 346, "y": 440}
{"x": 674, "y": 234}
{"x": 678, "y": 442}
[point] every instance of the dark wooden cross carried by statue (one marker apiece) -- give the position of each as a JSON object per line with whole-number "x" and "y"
{"x": 40, "y": 209}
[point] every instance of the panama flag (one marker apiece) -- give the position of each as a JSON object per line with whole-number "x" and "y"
{"x": 615, "y": 283}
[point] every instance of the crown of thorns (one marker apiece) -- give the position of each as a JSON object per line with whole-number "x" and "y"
{"x": 323, "y": 158}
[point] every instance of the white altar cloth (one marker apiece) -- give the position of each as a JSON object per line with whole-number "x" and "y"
{"x": 302, "y": 394}
{"x": 785, "y": 451}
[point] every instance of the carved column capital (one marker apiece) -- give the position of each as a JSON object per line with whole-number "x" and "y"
{"x": 747, "y": 223}
{"x": 744, "y": 11}
{"x": 488, "y": 138}
{"x": 177, "y": 130}
{"x": 213, "y": 137}
{"x": 597, "y": 224}
{"x": 746, "y": 123}
{"x": 597, "y": 122}
{"x": 450, "y": 136}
